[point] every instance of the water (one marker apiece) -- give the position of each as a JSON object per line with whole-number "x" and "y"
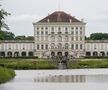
{"x": 77, "y": 79}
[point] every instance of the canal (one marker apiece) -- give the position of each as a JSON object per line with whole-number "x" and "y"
{"x": 76, "y": 79}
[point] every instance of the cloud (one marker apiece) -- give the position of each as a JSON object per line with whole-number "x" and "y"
{"x": 24, "y": 18}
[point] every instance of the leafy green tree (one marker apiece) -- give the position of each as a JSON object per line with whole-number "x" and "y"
{"x": 23, "y": 37}
{"x": 99, "y": 36}
{"x": 29, "y": 38}
{"x": 5, "y": 35}
{"x": 3, "y": 25}
{"x": 3, "y": 14}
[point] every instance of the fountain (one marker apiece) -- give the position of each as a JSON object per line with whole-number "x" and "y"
{"x": 61, "y": 60}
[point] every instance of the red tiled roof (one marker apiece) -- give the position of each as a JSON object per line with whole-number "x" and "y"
{"x": 59, "y": 16}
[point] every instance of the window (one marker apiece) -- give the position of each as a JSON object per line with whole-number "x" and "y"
{"x": 41, "y": 28}
{"x": 37, "y": 28}
{"x": 76, "y": 46}
{"x": 101, "y": 46}
{"x": 42, "y": 47}
{"x": 46, "y": 28}
{"x": 37, "y": 47}
{"x": 76, "y": 28}
{"x": 52, "y": 46}
{"x": 80, "y": 32}
{"x": 72, "y": 28}
{"x": 37, "y": 32}
{"x": 94, "y": 46}
{"x": 46, "y": 32}
{"x": 52, "y": 29}
{"x": 66, "y": 38}
{"x": 72, "y": 46}
{"x": 80, "y": 28}
{"x": 76, "y": 38}
{"x": 59, "y": 45}
{"x": 72, "y": 32}
{"x": 66, "y": 46}
{"x": 80, "y": 38}
{"x": 80, "y": 46}
{"x": 66, "y": 30}
{"x": 16, "y": 46}
{"x": 46, "y": 46}
{"x": 41, "y": 32}
{"x": 76, "y": 32}
{"x": 72, "y": 38}
{"x": 59, "y": 29}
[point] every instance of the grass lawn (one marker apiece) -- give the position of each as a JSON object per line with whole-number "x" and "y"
{"x": 90, "y": 63}
{"x": 44, "y": 64}
{"x": 27, "y": 64}
{"x": 6, "y": 74}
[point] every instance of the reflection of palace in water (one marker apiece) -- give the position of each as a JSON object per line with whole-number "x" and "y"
{"x": 61, "y": 78}
{"x": 72, "y": 78}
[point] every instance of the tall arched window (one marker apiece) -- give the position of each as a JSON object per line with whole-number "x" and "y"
{"x": 72, "y": 46}
{"x": 52, "y": 46}
{"x": 59, "y": 46}
{"x": 66, "y": 45}
{"x": 59, "y": 38}
{"x": 66, "y": 38}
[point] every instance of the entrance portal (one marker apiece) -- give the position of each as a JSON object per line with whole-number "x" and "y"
{"x": 59, "y": 53}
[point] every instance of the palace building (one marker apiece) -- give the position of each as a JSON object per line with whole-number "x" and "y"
{"x": 57, "y": 33}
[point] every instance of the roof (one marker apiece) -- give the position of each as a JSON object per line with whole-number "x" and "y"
{"x": 59, "y": 16}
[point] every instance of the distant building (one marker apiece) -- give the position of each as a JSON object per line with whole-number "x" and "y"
{"x": 56, "y": 33}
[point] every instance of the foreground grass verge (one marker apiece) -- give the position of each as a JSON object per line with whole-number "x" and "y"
{"x": 27, "y": 64}
{"x": 6, "y": 74}
{"x": 44, "y": 64}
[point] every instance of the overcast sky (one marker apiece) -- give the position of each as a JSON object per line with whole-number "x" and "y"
{"x": 25, "y": 12}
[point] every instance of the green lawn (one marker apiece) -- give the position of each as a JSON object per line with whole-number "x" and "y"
{"x": 27, "y": 64}
{"x": 90, "y": 63}
{"x": 44, "y": 64}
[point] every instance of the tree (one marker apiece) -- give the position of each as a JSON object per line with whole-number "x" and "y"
{"x": 5, "y": 35}
{"x": 29, "y": 38}
{"x": 20, "y": 37}
{"x": 3, "y": 14}
{"x": 98, "y": 36}
{"x": 3, "y": 25}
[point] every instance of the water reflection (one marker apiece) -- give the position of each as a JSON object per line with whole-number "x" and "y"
{"x": 72, "y": 78}
{"x": 61, "y": 78}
